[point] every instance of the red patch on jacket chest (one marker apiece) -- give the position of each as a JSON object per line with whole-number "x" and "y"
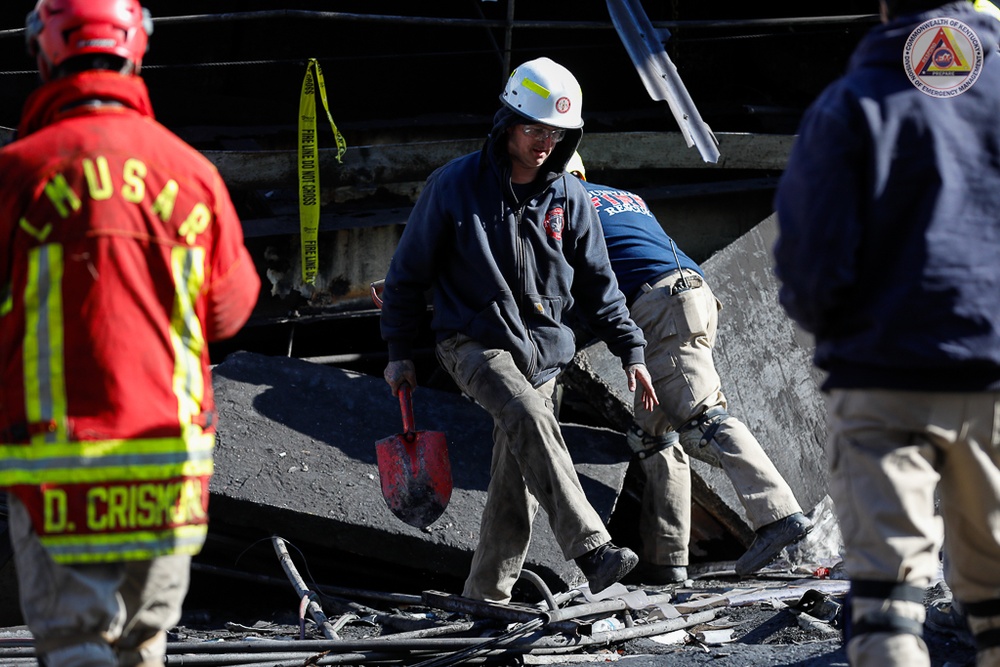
{"x": 554, "y": 221}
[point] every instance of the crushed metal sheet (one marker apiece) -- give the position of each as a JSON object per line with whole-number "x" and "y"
{"x": 675, "y": 637}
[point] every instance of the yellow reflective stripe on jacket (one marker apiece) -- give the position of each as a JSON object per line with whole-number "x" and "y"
{"x": 186, "y": 334}
{"x": 44, "y": 372}
{"x": 103, "y": 460}
{"x": 185, "y": 540}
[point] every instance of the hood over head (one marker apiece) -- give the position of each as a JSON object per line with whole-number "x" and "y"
{"x": 496, "y": 144}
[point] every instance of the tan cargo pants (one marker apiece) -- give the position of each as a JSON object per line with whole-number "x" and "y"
{"x": 531, "y": 465}
{"x": 891, "y": 454}
{"x": 100, "y": 615}
{"x": 680, "y": 333}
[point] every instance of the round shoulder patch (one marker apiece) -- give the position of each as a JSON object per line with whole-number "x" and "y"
{"x": 943, "y": 57}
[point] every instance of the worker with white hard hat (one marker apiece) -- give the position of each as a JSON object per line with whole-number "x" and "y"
{"x": 510, "y": 244}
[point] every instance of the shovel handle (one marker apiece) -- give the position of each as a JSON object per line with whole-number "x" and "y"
{"x": 406, "y": 407}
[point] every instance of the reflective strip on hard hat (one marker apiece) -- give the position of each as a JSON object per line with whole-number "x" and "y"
{"x": 535, "y": 88}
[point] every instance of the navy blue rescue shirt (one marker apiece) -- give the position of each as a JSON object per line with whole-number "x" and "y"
{"x": 639, "y": 249}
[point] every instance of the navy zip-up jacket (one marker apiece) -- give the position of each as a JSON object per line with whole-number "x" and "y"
{"x": 889, "y": 213}
{"x": 506, "y": 272}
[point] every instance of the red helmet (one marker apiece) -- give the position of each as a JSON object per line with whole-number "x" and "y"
{"x": 61, "y": 29}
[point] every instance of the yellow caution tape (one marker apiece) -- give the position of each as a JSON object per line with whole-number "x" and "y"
{"x": 309, "y": 193}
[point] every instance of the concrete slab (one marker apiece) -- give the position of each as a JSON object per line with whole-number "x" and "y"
{"x": 765, "y": 363}
{"x": 296, "y": 458}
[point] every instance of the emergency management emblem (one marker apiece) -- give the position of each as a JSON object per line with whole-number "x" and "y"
{"x": 554, "y": 220}
{"x": 943, "y": 57}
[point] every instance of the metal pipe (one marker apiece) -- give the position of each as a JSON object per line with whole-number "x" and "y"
{"x": 303, "y": 592}
{"x": 489, "y": 35}
{"x": 588, "y": 609}
{"x": 289, "y": 659}
{"x": 317, "y": 645}
{"x": 514, "y": 641}
{"x": 502, "y": 612}
{"x": 443, "y": 629}
{"x": 651, "y": 629}
{"x": 508, "y": 41}
{"x": 508, "y": 637}
{"x": 528, "y": 575}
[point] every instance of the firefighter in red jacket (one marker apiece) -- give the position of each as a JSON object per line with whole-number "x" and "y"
{"x": 122, "y": 258}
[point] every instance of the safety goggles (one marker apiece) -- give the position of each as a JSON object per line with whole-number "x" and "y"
{"x": 543, "y": 133}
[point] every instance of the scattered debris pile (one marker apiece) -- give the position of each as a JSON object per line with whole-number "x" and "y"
{"x": 435, "y": 629}
{"x": 785, "y": 615}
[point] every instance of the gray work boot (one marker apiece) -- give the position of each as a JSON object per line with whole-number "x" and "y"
{"x": 606, "y": 565}
{"x": 770, "y": 540}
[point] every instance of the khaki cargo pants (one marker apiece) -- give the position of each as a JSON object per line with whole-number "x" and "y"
{"x": 100, "y": 615}
{"x": 680, "y": 331}
{"x": 531, "y": 466}
{"x": 893, "y": 455}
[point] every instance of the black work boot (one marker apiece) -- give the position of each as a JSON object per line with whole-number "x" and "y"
{"x": 770, "y": 540}
{"x": 606, "y": 565}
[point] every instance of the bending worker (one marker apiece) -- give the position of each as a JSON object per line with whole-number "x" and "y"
{"x": 671, "y": 302}
{"x": 510, "y": 243}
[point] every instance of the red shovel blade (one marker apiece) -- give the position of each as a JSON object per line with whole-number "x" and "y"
{"x": 414, "y": 470}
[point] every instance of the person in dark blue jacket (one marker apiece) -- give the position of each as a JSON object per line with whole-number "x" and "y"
{"x": 889, "y": 253}
{"x": 510, "y": 244}
{"x": 671, "y": 301}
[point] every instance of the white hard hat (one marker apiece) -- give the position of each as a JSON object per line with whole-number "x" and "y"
{"x": 575, "y": 166}
{"x": 545, "y": 91}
